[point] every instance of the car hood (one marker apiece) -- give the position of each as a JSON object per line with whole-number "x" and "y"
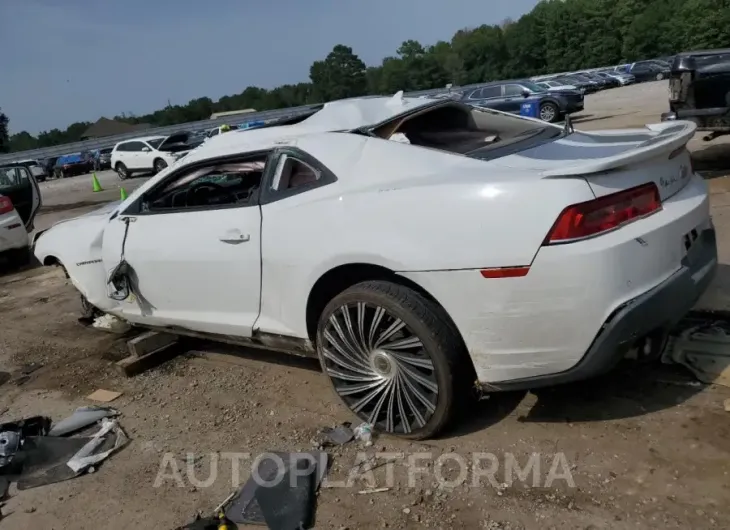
{"x": 102, "y": 212}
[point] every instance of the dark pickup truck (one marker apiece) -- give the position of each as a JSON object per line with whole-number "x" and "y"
{"x": 699, "y": 91}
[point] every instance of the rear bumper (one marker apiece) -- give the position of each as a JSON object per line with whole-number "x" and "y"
{"x": 578, "y": 300}
{"x": 656, "y": 311}
{"x": 710, "y": 119}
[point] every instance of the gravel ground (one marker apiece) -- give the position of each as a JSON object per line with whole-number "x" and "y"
{"x": 641, "y": 448}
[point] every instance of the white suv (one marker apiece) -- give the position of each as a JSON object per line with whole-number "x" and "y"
{"x": 151, "y": 153}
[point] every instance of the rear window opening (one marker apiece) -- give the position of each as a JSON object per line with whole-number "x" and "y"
{"x": 465, "y": 130}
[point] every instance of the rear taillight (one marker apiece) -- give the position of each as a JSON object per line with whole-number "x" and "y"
{"x": 6, "y": 205}
{"x": 589, "y": 219}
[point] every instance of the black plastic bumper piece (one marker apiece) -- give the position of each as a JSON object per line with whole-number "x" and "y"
{"x": 656, "y": 311}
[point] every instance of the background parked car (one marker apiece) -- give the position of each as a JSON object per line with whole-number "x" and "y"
{"x": 604, "y": 82}
{"x": 586, "y": 85}
{"x": 73, "y": 164}
{"x": 36, "y": 168}
{"x": 553, "y": 86}
{"x": 509, "y": 96}
{"x": 151, "y": 153}
{"x": 103, "y": 159}
{"x": 593, "y": 85}
{"x": 49, "y": 164}
{"x": 623, "y": 79}
{"x": 646, "y": 71}
{"x": 698, "y": 88}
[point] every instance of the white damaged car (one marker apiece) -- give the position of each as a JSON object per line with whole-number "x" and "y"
{"x": 479, "y": 248}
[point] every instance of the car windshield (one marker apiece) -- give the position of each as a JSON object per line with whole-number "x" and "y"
{"x": 105, "y": 151}
{"x": 155, "y": 143}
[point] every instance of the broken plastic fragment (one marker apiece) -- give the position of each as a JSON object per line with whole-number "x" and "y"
{"x": 9, "y": 445}
{"x": 364, "y": 433}
{"x": 82, "y": 417}
{"x": 85, "y": 459}
{"x": 340, "y": 435}
{"x": 112, "y": 324}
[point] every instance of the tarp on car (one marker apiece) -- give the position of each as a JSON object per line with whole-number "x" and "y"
{"x": 74, "y": 158}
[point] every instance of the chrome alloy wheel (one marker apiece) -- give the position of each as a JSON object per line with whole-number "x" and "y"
{"x": 547, "y": 113}
{"x": 379, "y": 367}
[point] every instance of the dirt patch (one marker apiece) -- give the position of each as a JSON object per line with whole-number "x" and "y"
{"x": 641, "y": 452}
{"x": 644, "y": 447}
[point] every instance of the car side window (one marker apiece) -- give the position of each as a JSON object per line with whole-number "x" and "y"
{"x": 217, "y": 185}
{"x": 513, "y": 90}
{"x": 292, "y": 172}
{"x": 134, "y": 146}
{"x": 120, "y": 148}
{"x": 477, "y": 94}
{"x": 9, "y": 176}
{"x": 491, "y": 92}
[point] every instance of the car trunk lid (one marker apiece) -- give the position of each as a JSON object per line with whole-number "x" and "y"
{"x": 612, "y": 161}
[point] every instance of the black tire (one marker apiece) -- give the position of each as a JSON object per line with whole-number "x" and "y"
{"x": 159, "y": 165}
{"x": 439, "y": 343}
{"x": 89, "y": 311}
{"x": 19, "y": 257}
{"x": 122, "y": 171}
{"x": 551, "y": 112}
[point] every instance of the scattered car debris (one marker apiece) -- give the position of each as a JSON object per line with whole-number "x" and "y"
{"x": 4, "y": 485}
{"x": 339, "y": 435}
{"x": 364, "y": 433}
{"x": 13, "y": 435}
{"x": 704, "y": 349}
{"x": 245, "y": 507}
{"x": 81, "y": 418}
{"x": 22, "y": 375}
{"x": 290, "y": 503}
{"x": 86, "y": 458}
{"x": 103, "y": 396}
{"x": 111, "y": 324}
{"x": 31, "y": 457}
{"x": 376, "y": 490}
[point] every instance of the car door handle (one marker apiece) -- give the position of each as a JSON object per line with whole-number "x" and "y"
{"x": 234, "y": 237}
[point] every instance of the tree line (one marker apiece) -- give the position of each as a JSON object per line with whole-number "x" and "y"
{"x": 556, "y": 36}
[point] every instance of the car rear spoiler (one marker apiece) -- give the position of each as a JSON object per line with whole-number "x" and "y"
{"x": 668, "y": 137}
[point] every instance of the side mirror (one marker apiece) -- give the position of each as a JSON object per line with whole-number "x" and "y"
{"x": 146, "y": 149}
{"x": 526, "y": 93}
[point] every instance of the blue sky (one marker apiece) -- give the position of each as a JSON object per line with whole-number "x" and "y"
{"x": 72, "y": 60}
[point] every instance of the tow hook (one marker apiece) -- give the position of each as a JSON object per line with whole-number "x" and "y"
{"x": 712, "y": 136}
{"x": 650, "y": 347}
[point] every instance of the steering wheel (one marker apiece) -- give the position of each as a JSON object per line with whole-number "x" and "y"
{"x": 195, "y": 188}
